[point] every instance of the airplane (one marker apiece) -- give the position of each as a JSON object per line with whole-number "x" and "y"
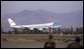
{"x": 31, "y": 27}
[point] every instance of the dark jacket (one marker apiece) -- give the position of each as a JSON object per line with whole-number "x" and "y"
{"x": 49, "y": 45}
{"x": 74, "y": 45}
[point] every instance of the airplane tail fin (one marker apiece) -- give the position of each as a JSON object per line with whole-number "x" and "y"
{"x": 11, "y": 22}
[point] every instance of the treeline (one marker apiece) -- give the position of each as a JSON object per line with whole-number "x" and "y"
{"x": 78, "y": 30}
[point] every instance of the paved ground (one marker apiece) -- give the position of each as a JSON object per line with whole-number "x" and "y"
{"x": 17, "y": 41}
{"x": 33, "y": 45}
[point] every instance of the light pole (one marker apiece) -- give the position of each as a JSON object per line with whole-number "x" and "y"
{"x": 61, "y": 31}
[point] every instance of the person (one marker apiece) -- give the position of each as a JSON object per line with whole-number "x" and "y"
{"x": 50, "y": 43}
{"x": 75, "y": 44}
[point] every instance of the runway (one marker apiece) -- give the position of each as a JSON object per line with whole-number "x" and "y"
{"x": 28, "y": 41}
{"x": 33, "y": 45}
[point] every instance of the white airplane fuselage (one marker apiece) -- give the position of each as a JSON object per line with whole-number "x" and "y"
{"x": 38, "y": 26}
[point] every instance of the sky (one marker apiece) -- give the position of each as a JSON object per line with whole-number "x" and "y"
{"x": 53, "y": 6}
